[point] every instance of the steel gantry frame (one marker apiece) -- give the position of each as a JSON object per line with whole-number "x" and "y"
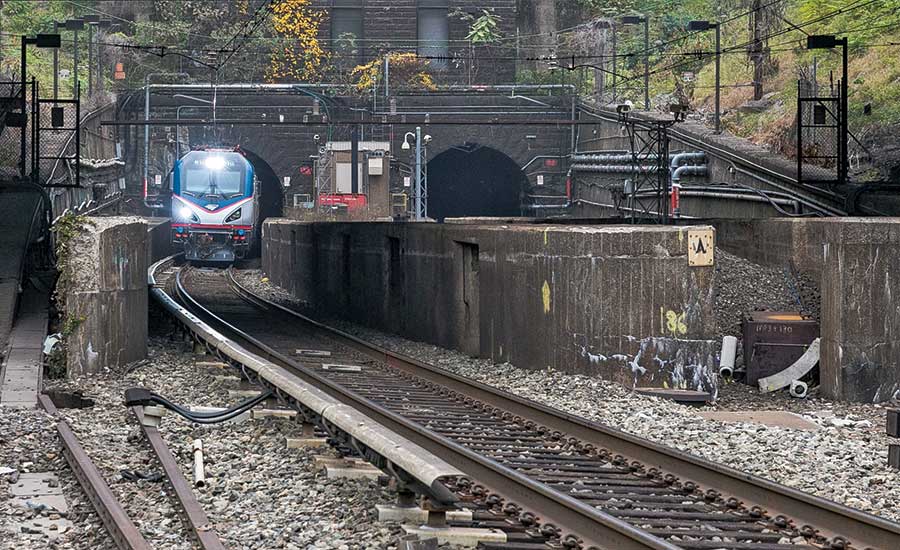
{"x": 650, "y": 186}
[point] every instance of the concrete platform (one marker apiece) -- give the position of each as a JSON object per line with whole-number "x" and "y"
{"x": 19, "y": 206}
{"x": 468, "y": 537}
{"x": 20, "y": 379}
{"x": 41, "y": 492}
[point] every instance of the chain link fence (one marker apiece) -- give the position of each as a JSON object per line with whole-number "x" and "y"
{"x": 818, "y": 139}
{"x": 57, "y": 161}
{"x": 10, "y": 137}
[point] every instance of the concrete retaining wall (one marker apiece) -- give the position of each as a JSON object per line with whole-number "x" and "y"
{"x": 106, "y": 295}
{"x": 856, "y": 262}
{"x": 792, "y": 242}
{"x": 860, "y": 319}
{"x": 619, "y": 301}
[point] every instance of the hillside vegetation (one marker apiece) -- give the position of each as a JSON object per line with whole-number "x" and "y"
{"x": 871, "y": 27}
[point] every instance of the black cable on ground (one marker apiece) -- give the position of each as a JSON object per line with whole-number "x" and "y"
{"x": 139, "y": 397}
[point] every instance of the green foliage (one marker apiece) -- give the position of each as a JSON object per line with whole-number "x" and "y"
{"x": 27, "y": 17}
{"x": 66, "y": 229}
{"x": 485, "y": 29}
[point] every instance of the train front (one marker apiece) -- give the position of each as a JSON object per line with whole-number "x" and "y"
{"x": 213, "y": 205}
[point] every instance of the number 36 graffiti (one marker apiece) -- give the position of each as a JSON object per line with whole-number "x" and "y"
{"x": 673, "y": 322}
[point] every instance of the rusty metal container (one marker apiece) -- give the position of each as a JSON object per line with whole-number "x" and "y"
{"x": 773, "y": 340}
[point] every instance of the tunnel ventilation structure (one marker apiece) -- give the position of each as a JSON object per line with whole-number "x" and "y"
{"x": 474, "y": 180}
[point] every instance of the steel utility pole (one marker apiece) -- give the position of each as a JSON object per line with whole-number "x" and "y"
{"x": 418, "y": 200}
{"x": 718, "y": 78}
{"x": 647, "y": 62}
{"x": 705, "y": 26}
{"x": 41, "y": 41}
{"x": 645, "y": 19}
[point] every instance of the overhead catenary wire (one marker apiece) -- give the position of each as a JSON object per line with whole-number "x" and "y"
{"x": 857, "y": 4}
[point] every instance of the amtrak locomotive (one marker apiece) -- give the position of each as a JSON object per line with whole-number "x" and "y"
{"x": 215, "y": 195}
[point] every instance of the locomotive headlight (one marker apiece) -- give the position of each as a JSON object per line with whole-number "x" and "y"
{"x": 185, "y": 212}
{"x": 234, "y": 216}
{"x": 215, "y": 163}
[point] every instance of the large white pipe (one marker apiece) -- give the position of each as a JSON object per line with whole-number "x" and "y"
{"x": 729, "y": 351}
{"x": 199, "y": 476}
{"x": 799, "y": 389}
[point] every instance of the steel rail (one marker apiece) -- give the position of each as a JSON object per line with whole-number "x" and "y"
{"x": 119, "y": 526}
{"x": 832, "y": 520}
{"x": 595, "y": 528}
{"x": 196, "y": 517}
{"x": 427, "y": 473}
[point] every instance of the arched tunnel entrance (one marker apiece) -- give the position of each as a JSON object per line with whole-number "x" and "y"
{"x": 271, "y": 198}
{"x": 474, "y": 180}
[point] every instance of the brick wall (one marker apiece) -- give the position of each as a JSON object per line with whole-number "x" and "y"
{"x": 392, "y": 25}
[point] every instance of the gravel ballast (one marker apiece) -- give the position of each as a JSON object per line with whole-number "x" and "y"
{"x": 258, "y": 494}
{"x": 743, "y": 286}
{"x": 845, "y": 460}
{"x": 29, "y": 444}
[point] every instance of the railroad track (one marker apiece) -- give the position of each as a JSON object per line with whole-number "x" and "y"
{"x": 550, "y": 479}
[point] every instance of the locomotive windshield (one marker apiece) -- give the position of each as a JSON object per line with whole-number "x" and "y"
{"x": 219, "y": 175}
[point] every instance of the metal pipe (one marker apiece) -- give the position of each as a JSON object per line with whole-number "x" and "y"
{"x": 354, "y": 160}
{"x": 683, "y": 171}
{"x": 546, "y": 206}
{"x": 90, "y": 60}
{"x": 736, "y": 196}
{"x": 55, "y": 64}
{"x": 532, "y": 100}
{"x": 729, "y": 351}
{"x": 612, "y": 168}
{"x": 22, "y": 146}
{"x": 622, "y": 158}
{"x": 676, "y": 159}
{"x": 199, "y": 475}
{"x": 718, "y": 78}
{"x": 75, "y": 83}
{"x": 646, "y": 62}
{"x": 387, "y": 75}
{"x": 680, "y": 159}
{"x": 781, "y": 199}
{"x": 398, "y": 113}
{"x": 538, "y": 157}
{"x": 733, "y": 159}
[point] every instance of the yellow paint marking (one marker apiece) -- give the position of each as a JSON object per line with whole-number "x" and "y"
{"x": 545, "y": 292}
{"x": 675, "y": 323}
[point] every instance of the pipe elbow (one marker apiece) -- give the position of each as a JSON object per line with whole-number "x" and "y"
{"x": 683, "y": 158}
{"x": 687, "y": 170}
